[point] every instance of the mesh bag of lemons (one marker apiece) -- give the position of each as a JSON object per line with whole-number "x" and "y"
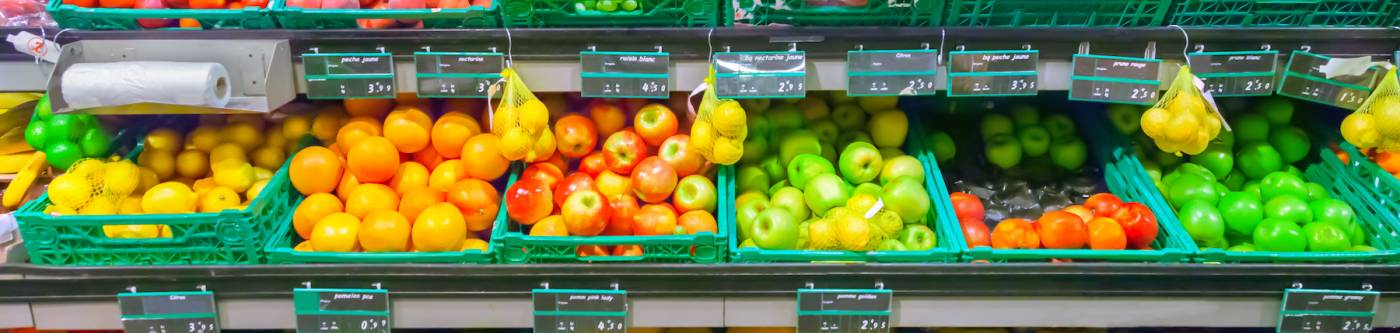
{"x": 1376, "y": 124}
{"x": 522, "y": 122}
{"x": 720, "y": 127}
{"x": 1182, "y": 121}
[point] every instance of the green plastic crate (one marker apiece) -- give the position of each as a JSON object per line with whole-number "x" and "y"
{"x": 85, "y": 18}
{"x": 1384, "y": 187}
{"x": 225, "y": 238}
{"x": 892, "y": 13}
{"x": 1109, "y": 149}
{"x": 1284, "y": 13}
{"x": 433, "y": 18}
{"x": 650, "y": 13}
{"x": 513, "y": 246}
{"x": 940, "y": 218}
{"x": 1044, "y": 13}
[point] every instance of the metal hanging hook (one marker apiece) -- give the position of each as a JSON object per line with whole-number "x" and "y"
{"x": 1084, "y": 47}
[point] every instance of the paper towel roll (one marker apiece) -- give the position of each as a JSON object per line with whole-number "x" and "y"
{"x": 120, "y": 83}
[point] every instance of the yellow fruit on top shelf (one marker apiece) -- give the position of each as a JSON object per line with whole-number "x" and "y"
{"x": 205, "y": 138}
{"x": 728, "y": 119}
{"x": 516, "y": 143}
{"x": 1360, "y": 129}
{"x": 384, "y": 231}
{"x": 164, "y": 139}
{"x": 71, "y": 191}
{"x": 269, "y": 157}
{"x": 148, "y": 179}
{"x": 311, "y": 210}
{"x": 130, "y": 205}
{"x": 219, "y": 199}
{"x": 474, "y": 244}
{"x": 192, "y": 163}
{"x": 101, "y": 205}
{"x": 227, "y": 151}
{"x": 439, "y": 228}
{"x": 274, "y": 137}
{"x": 534, "y": 116}
{"x": 233, "y": 174}
{"x": 338, "y": 232}
{"x": 131, "y": 231}
{"x": 296, "y": 126}
{"x": 169, "y": 198}
{"x": 325, "y": 125}
{"x": 245, "y": 135}
{"x": 121, "y": 178}
{"x": 408, "y": 127}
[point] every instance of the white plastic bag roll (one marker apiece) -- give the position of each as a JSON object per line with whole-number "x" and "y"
{"x": 91, "y": 85}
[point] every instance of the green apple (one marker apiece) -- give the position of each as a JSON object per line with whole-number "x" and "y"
{"x": 750, "y": 196}
{"x": 785, "y": 117}
{"x": 777, "y": 186}
{"x": 1277, "y": 110}
{"x": 1251, "y": 128}
{"x": 797, "y": 143}
{"x": 1288, "y": 208}
{"x": 1316, "y": 191}
{"x": 755, "y": 148}
{"x": 1257, "y": 159}
{"x": 1153, "y": 170}
{"x": 849, "y": 137}
{"x": 759, "y": 125}
{"x": 824, "y": 192}
{"x": 888, "y": 222}
{"x": 776, "y": 229}
{"x": 1126, "y": 118}
{"x": 1241, "y": 248}
{"x": 888, "y": 128}
{"x": 1189, "y": 169}
{"x": 1060, "y": 126}
{"x": 1241, "y": 211}
{"x": 814, "y": 108}
{"x": 747, "y": 243}
{"x": 829, "y": 153}
{"x": 871, "y": 189}
{"x": 891, "y": 245}
{"x": 1234, "y": 181}
{"x": 1356, "y": 233}
{"x": 1291, "y": 142}
{"x": 1326, "y": 237}
{"x": 825, "y": 129}
{"x": 1035, "y": 140}
{"x": 860, "y": 163}
{"x": 1217, "y": 159}
{"x": 806, "y": 166}
{"x": 1003, "y": 151}
{"x": 1068, "y": 153}
{"x": 1328, "y": 210}
{"x": 1277, "y": 184}
{"x": 849, "y": 117}
{"x": 890, "y": 152}
{"x": 1165, "y": 159}
{"x": 1289, "y": 168}
{"x": 1362, "y": 248}
{"x": 755, "y": 105}
{"x": 1278, "y": 235}
{"x": 942, "y": 145}
{"x": 752, "y": 178}
{"x": 774, "y": 168}
{"x": 838, "y": 97}
{"x": 1025, "y": 115}
{"x": 804, "y": 239}
{"x": 873, "y": 104}
{"x": 907, "y": 197}
{"x": 1251, "y": 187}
{"x": 901, "y": 166}
{"x": 1192, "y": 188}
{"x": 1202, "y": 221}
{"x": 791, "y": 199}
{"x": 997, "y": 124}
{"x": 746, "y": 214}
{"x": 918, "y": 237}
{"x": 1225, "y": 139}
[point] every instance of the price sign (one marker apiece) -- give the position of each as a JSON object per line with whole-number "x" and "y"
{"x": 843, "y": 310}
{"x": 343, "y": 75}
{"x": 168, "y": 312}
{"x": 761, "y": 74}
{"x": 993, "y": 73}
{"x": 1316, "y": 310}
{"x": 891, "y": 72}
{"x": 1245, "y": 73}
{"x": 457, "y": 74}
{"x": 576, "y": 310}
{"x": 625, "y": 74}
{"x": 341, "y": 310}
{"x": 1110, "y": 79}
{"x": 1303, "y": 79}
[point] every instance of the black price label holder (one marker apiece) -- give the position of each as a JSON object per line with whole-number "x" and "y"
{"x": 580, "y": 310}
{"x": 1114, "y": 79}
{"x": 341, "y": 310}
{"x": 844, "y": 310}
{"x": 891, "y": 72}
{"x": 1303, "y": 79}
{"x": 348, "y": 75}
{"x": 168, "y": 312}
{"x": 781, "y": 74}
{"x": 1321, "y": 310}
{"x": 457, "y": 74}
{"x": 993, "y": 73}
{"x": 625, "y": 74}
{"x": 1236, "y": 73}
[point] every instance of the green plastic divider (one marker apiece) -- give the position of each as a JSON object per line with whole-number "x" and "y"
{"x": 89, "y": 18}
{"x": 1042, "y": 13}
{"x": 1378, "y": 183}
{"x": 224, "y": 238}
{"x": 891, "y": 13}
{"x": 1284, "y": 13}
{"x": 514, "y": 246}
{"x": 940, "y": 218}
{"x": 432, "y": 18}
{"x": 649, "y": 13}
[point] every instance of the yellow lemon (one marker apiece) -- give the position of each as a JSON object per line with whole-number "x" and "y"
{"x": 256, "y": 189}
{"x": 261, "y": 174}
{"x": 534, "y": 116}
{"x": 236, "y": 175}
{"x": 131, "y": 231}
{"x": 1154, "y": 120}
{"x": 325, "y": 125}
{"x": 729, "y": 120}
{"x": 1183, "y": 127}
{"x": 164, "y": 139}
{"x": 162, "y": 162}
{"x": 474, "y": 244}
{"x": 130, "y": 206}
{"x": 204, "y": 138}
{"x": 89, "y": 167}
{"x": 71, "y": 191}
{"x": 337, "y": 232}
{"x": 168, "y": 198}
{"x": 1386, "y": 111}
{"x": 218, "y": 199}
{"x": 821, "y": 235}
{"x": 1360, "y": 129}
{"x": 543, "y": 148}
{"x": 203, "y": 185}
{"x": 853, "y": 233}
{"x": 148, "y": 178}
{"x": 59, "y": 210}
{"x": 728, "y": 150}
{"x": 304, "y": 246}
{"x": 274, "y": 137}
{"x": 515, "y": 144}
{"x": 166, "y": 232}
{"x": 99, "y": 206}
{"x": 269, "y": 157}
{"x": 702, "y": 135}
{"x": 192, "y": 163}
{"x": 227, "y": 151}
{"x": 295, "y": 126}
{"x": 121, "y": 178}
{"x": 243, "y": 134}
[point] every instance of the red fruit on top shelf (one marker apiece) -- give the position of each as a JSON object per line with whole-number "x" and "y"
{"x": 576, "y": 135}
{"x": 654, "y": 180}
{"x": 655, "y": 123}
{"x": 528, "y": 201}
{"x": 623, "y": 151}
{"x": 676, "y": 151}
{"x": 1103, "y": 204}
{"x": 1139, "y": 224}
{"x": 968, "y": 207}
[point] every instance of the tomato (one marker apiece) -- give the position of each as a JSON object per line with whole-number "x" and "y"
{"x": 968, "y": 207}
{"x": 1062, "y": 230}
{"x": 976, "y": 234}
{"x": 1015, "y": 234}
{"x": 1139, "y": 224}
{"x": 1103, "y": 204}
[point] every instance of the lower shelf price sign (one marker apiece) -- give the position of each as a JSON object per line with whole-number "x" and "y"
{"x": 761, "y": 74}
{"x": 891, "y": 72}
{"x": 348, "y": 75}
{"x": 993, "y": 73}
{"x": 457, "y": 74}
{"x": 168, "y": 312}
{"x": 1303, "y": 79}
{"x": 625, "y": 74}
{"x": 844, "y": 310}
{"x": 1317, "y": 310}
{"x": 580, "y": 310}
{"x": 1110, "y": 79}
{"x": 341, "y": 310}
{"x": 1239, "y": 73}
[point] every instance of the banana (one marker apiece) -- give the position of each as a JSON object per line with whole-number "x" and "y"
{"x": 13, "y": 163}
{"x": 14, "y": 194}
{"x": 12, "y": 142}
{"x": 10, "y": 100}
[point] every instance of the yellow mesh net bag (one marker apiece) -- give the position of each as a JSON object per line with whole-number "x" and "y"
{"x": 1182, "y": 120}
{"x": 521, "y": 121}
{"x": 1376, "y": 124}
{"x": 720, "y": 127}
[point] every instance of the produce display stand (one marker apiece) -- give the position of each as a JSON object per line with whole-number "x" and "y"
{"x": 74, "y": 17}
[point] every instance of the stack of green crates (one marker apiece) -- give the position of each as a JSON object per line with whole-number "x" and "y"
{"x": 1043, "y": 13}
{"x": 84, "y": 18}
{"x": 649, "y": 13}
{"x": 893, "y": 13}
{"x": 432, "y": 18}
{"x": 1381, "y": 186}
{"x": 1285, "y": 13}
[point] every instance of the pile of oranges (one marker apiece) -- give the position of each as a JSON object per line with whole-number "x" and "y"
{"x": 396, "y": 178}
{"x": 1388, "y": 161}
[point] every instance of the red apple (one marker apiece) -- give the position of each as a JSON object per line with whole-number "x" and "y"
{"x": 593, "y": 164}
{"x": 1103, "y": 204}
{"x": 611, "y": 183}
{"x": 624, "y": 215}
{"x": 695, "y": 192}
{"x": 544, "y": 172}
{"x": 623, "y": 150}
{"x": 654, "y": 180}
{"x": 655, "y": 123}
{"x": 968, "y": 207}
{"x": 574, "y": 182}
{"x": 1139, "y": 224}
{"x": 153, "y": 23}
{"x": 586, "y": 213}
{"x": 655, "y": 220}
{"x": 976, "y": 234}
{"x": 576, "y": 135}
{"x": 528, "y": 201}
{"x": 676, "y": 151}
